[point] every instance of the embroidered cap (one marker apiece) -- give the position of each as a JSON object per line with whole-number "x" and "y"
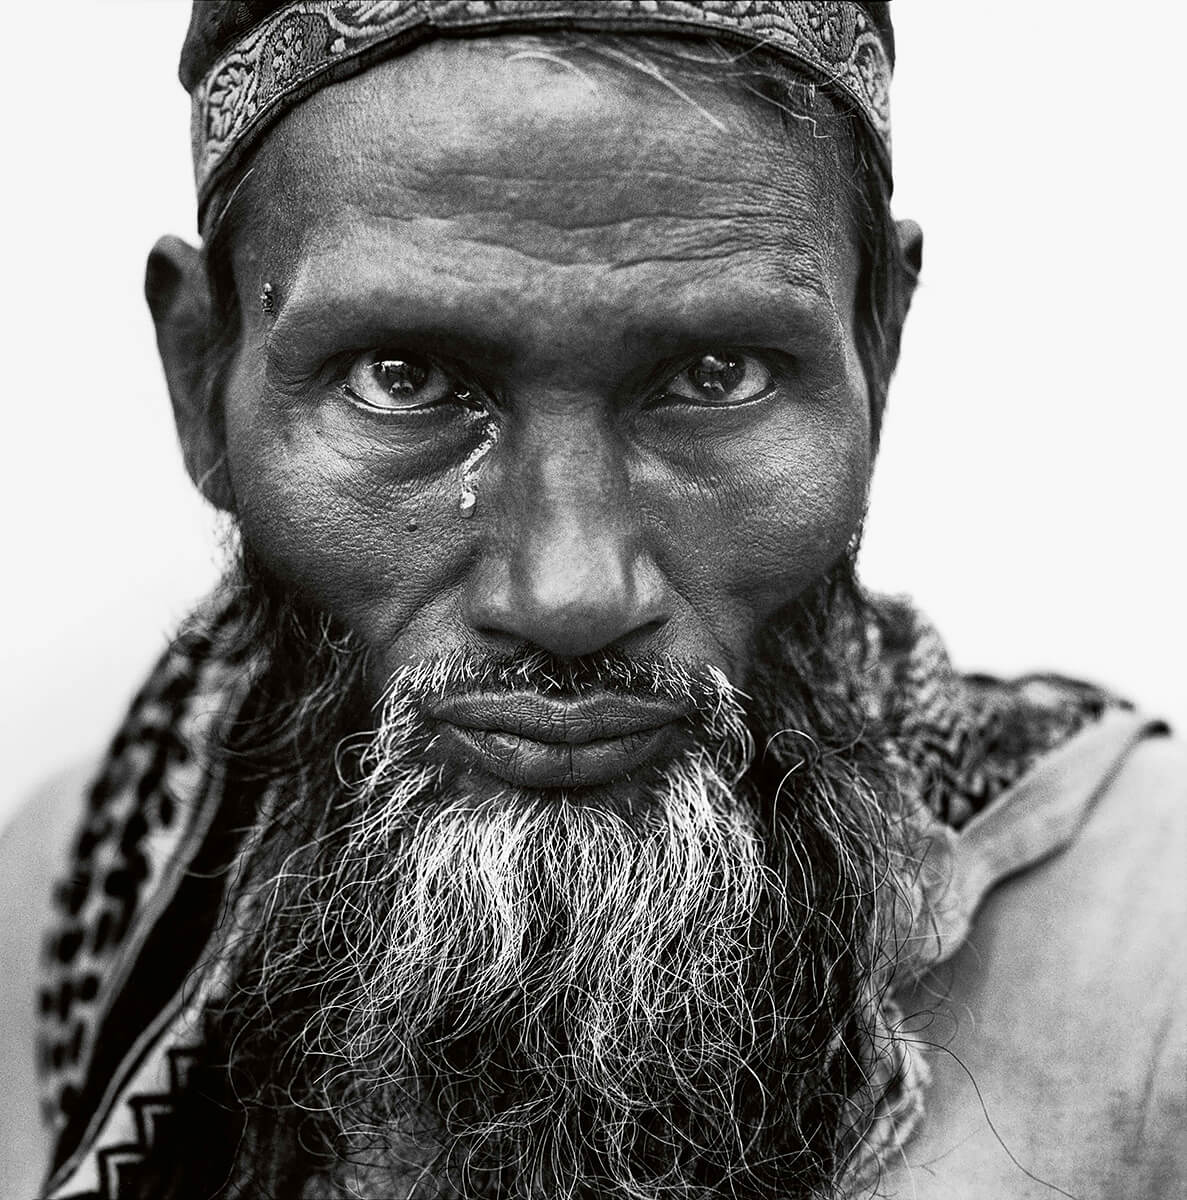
{"x": 246, "y": 64}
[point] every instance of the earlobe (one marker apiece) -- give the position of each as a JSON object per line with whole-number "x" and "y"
{"x": 179, "y": 300}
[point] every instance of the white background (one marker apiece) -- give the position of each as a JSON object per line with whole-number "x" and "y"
{"x": 1031, "y": 492}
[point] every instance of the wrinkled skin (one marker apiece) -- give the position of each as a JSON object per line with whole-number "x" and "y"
{"x": 563, "y": 242}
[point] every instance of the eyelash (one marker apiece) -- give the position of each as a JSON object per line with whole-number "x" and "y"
{"x": 467, "y": 398}
{"x": 336, "y": 374}
{"x": 480, "y": 400}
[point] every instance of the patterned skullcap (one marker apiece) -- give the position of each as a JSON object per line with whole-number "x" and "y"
{"x": 246, "y": 63}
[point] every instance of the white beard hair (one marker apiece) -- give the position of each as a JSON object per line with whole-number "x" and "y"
{"x": 593, "y": 963}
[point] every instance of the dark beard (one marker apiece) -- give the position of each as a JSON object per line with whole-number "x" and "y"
{"x": 554, "y": 995}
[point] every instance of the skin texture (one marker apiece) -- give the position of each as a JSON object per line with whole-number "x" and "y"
{"x": 563, "y": 240}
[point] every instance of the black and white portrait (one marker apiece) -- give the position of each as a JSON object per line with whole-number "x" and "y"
{"x": 595, "y": 605}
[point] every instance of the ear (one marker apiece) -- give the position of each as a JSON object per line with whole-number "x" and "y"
{"x": 910, "y": 246}
{"x": 179, "y": 300}
{"x": 910, "y": 240}
{"x": 888, "y": 321}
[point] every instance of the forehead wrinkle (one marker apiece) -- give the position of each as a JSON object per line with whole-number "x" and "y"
{"x": 419, "y": 177}
{"x": 706, "y": 223}
{"x": 711, "y": 231}
{"x": 436, "y": 249}
{"x": 770, "y": 205}
{"x": 447, "y": 172}
{"x": 384, "y": 271}
{"x": 456, "y": 298}
{"x": 572, "y": 206}
{"x": 618, "y": 244}
{"x": 650, "y": 204}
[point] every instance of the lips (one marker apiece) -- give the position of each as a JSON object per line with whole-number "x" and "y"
{"x": 531, "y": 740}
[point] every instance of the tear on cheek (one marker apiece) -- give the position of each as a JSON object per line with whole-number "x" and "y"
{"x": 468, "y": 500}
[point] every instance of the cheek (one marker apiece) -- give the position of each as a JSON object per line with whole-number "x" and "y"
{"x": 796, "y": 519}
{"x": 764, "y": 515}
{"x": 740, "y": 517}
{"x": 337, "y": 517}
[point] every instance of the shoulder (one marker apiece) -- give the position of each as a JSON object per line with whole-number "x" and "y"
{"x": 1059, "y": 1034}
{"x": 33, "y": 850}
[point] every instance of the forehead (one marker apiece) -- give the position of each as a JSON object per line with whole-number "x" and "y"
{"x": 511, "y": 171}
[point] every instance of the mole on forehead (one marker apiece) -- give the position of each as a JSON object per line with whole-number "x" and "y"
{"x": 373, "y": 267}
{"x": 409, "y": 143}
{"x": 511, "y": 306}
{"x": 341, "y": 258}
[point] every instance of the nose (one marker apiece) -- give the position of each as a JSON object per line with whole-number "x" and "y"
{"x": 570, "y": 572}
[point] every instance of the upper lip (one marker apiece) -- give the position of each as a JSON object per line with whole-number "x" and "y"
{"x": 559, "y": 720}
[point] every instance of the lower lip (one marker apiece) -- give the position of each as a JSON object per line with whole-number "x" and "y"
{"x": 527, "y": 763}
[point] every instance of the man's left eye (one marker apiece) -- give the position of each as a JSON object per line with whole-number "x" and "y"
{"x": 721, "y": 378}
{"x": 398, "y": 383}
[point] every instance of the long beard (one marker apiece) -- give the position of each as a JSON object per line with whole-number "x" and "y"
{"x": 661, "y": 991}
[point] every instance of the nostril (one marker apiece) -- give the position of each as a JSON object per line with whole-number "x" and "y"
{"x": 643, "y": 639}
{"x": 569, "y": 614}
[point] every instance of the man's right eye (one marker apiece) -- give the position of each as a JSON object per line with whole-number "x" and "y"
{"x": 392, "y": 383}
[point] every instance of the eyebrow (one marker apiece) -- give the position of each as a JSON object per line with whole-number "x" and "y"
{"x": 467, "y": 336}
{"x": 752, "y": 311}
{"x": 452, "y": 312}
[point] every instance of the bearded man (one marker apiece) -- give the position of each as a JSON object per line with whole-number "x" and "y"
{"x": 541, "y": 808}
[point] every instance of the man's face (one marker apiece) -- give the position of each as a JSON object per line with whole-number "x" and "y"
{"x": 618, "y": 320}
{"x": 557, "y": 409}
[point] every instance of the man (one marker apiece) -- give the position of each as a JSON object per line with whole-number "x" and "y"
{"x": 541, "y": 808}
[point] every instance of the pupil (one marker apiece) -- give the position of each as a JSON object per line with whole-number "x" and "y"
{"x": 717, "y": 374}
{"x": 402, "y": 378}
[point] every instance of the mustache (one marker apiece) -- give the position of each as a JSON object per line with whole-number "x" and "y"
{"x": 317, "y": 694}
{"x": 663, "y": 677}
